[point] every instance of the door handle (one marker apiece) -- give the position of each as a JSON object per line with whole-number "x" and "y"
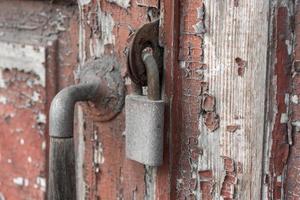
{"x": 100, "y": 84}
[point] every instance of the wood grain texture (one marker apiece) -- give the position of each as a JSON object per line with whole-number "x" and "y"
{"x": 235, "y": 52}
{"x": 107, "y": 27}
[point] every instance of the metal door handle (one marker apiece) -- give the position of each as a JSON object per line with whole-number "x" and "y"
{"x": 62, "y": 182}
{"x": 98, "y": 81}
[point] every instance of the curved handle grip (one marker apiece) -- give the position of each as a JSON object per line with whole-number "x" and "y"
{"x": 62, "y": 176}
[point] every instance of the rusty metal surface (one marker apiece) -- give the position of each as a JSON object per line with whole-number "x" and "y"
{"x": 105, "y": 69}
{"x": 153, "y": 82}
{"x": 146, "y": 36}
{"x": 61, "y": 117}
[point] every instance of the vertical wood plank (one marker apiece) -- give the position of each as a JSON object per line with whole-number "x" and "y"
{"x": 235, "y": 52}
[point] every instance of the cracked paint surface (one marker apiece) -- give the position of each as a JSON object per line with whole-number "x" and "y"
{"x": 23, "y": 121}
{"x": 106, "y": 27}
{"x": 29, "y": 36}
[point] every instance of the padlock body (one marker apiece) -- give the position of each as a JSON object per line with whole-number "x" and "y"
{"x": 144, "y": 129}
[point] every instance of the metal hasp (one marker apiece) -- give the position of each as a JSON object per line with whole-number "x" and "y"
{"x": 145, "y": 114}
{"x": 98, "y": 81}
{"x": 146, "y": 36}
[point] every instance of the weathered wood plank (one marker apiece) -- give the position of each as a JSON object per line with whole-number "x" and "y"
{"x": 235, "y": 53}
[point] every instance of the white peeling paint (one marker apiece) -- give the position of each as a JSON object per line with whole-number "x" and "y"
{"x": 98, "y": 152}
{"x": 106, "y": 23}
{"x": 284, "y": 118}
{"x": 83, "y": 2}
{"x": 128, "y": 81}
{"x": 41, "y": 118}
{"x": 2, "y": 196}
{"x": 287, "y": 99}
{"x": 2, "y": 82}
{"x": 199, "y": 28}
{"x": 122, "y": 3}
{"x": 25, "y": 58}
{"x": 289, "y": 46}
{"x": 44, "y": 146}
{"x": 35, "y": 96}
{"x": 296, "y": 123}
{"x": 295, "y": 99}
{"x": 41, "y": 182}
{"x": 3, "y": 100}
{"x": 19, "y": 130}
{"x": 29, "y": 159}
{"x": 20, "y": 181}
{"x": 9, "y": 161}
{"x": 22, "y": 141}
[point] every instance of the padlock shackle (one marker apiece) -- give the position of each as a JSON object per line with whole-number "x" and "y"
{"x": 152, "y": 75}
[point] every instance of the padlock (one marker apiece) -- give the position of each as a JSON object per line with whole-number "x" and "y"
{"x": 145, "y": 119}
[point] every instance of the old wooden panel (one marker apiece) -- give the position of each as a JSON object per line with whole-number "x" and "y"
{"x": 31, "y": 52}
{"x": 236, "y": 44}
{"x": 106, "y": 27}
{"x": 23, "y": 119}
{"x": 278, "y": 125}
{"x": 223, "y": 62}
{"x": 291, "y": 183}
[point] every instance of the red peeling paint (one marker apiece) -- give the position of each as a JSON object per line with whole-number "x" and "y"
{"x": 280, "y": 147}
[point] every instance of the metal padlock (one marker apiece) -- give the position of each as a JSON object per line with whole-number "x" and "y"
{"x": 145, "y": 119}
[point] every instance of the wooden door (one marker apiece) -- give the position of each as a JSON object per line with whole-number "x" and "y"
{"x": 38, "y": 56}
{"x": 230, "y": 90}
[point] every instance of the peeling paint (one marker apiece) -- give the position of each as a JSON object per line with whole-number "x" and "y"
{"x": 84, "y": 2}
{"x": 232, "y": 128}
{"x": 25, "y": 58}
{"x": 41, "y": 182}
{"x": 22, "y": 141}
{"x": 41, "y": 118}
{"x": 35, "y": 97}
{"x": 3, "y": 99}
{"x": 2, "y": 82}
{"x": 289, "y": 46}
{"x": 230, "y": 179}
{"x": 284, "y": 118}
{"x": 98, "y": 157}
{"x": 295, "y": 99}
{"x": 235, "y": 77}
{"x": 122, "y": 3}
{"x": 2, "y": 196}
{"x": 211, "y": 121}
{"x": 43, "y": 146}
{"x": 208, "y": 103}
{"x": 296, "y": 123}
{"x": 102, "y": 24}
{"x": 20, "y": 181}
{"x": 241, "y": 65}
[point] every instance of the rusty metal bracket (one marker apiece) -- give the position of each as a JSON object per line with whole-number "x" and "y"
{"x": 111, "y": 100}
{"x": 146, "y": 36}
